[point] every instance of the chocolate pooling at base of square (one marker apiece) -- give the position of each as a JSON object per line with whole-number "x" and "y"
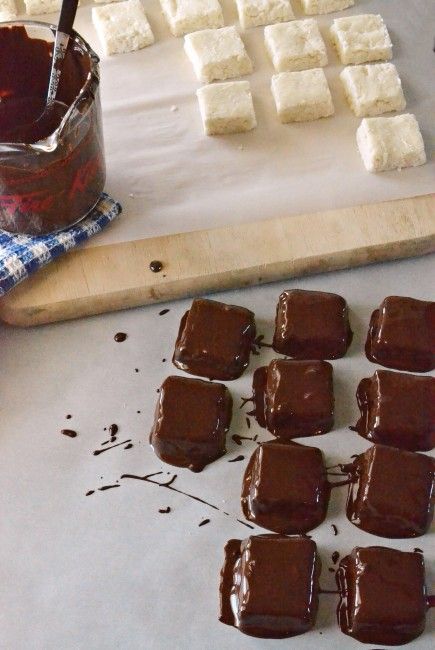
{"x": 390, "y": 492}
{"x": 402, "y": 334}
{"x": 312, "y": 325}
{"x": 285, "y": 487}
{"x": 269, "y": 585}
{"x": 215, "y": 340}
{"x": 383, "y": 598}
{"x": 397, "y": 409}
{"x": 294, "y": 398}
{"x": 191, "y": 422}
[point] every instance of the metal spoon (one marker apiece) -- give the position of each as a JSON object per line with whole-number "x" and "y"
{"x": 63, "y": 34}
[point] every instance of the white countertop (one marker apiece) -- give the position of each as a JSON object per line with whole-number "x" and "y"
{"x": 109, "y": 571}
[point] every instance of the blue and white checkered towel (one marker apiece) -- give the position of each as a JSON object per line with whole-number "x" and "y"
{"x": 21, "y": 255}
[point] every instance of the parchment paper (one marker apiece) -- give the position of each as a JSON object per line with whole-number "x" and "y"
{"x": 108, "y": 571}
{"x": 170, "y": 177}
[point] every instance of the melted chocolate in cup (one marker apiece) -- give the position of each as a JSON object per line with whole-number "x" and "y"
{"x": 285, "y": 487}
{"x": 382, "y": 595}
{"x": 52, "y": 168}
{"x": 312, "y": 325}
{"x": 270, "y": 585}
{"x": 298, "y": 398}
{"x": 402, "y": 335}
{"x": 191, "y": 422}
{"x": 215, "y": 340}
{"x": 390, "y": 493}
{"x": 397, "y": 409}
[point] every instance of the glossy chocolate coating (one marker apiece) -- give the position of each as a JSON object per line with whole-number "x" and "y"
{"x": 312, "y": 325}
{"x": 390, "y": 494}
{"x": 298, "y": 399}
{"x": 397, "y": 409}
{"x": 215, "y": 340}
{"x": 285, "y": 487}
{"x": 402, "y": 334}
{"x": 191, "y": 422}
{"x": 382, "y": 595}
{"x": 259, "y": 394}
{"x": 269, "y": 585}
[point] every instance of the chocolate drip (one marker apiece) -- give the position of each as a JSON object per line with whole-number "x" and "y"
{"x": 97, "y": 452}
{"x": 120, "y": 337}
{"x": 69, "y": 432}
{"x": 156, "y": 266}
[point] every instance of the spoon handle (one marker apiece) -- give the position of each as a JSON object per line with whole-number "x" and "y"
{"x": 63, "y": 33}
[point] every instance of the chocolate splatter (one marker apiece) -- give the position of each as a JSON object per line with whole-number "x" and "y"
{"x": 238, "y": 439}
{"x": 163, "y": 312}
{"x": 97, "y": 452}
{"x": 335, "y": 556}
{"x": 163, "y": 360}
{"x": 136, "y": 369}
{"x": 108, "y": 487}
{"x": 248, "y": 422}
{"x": 418, "y": 550}
{"x": 164, "y": 511}
{"x": 69, "y": 432}
{"x": 204, "y": 522}
{"x": 236, "y": 459}
{"x": 156, "y": 266}
{"x": 129, "y": 446}
{"x": 148, "y": 478}
{"x": 68, "y": 417}
{"x": 120, "y": 337}
{"x": 334, "y": 529}
{"x": 89, "y": 493}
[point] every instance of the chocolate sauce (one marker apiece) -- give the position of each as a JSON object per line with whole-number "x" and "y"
{"x": 390, "y": 492}
{"x": 236, "y": 459}
{"x": 248, "y": 422}
{"x": 418, "y": 550}
{"x": 120, "y": 337}
{"x": 335, "y": 556}
{"x": 68, "y": 417}
{"x": 148, "y": 478}
{"x": 238, "y": 439}
{"x": 312, "y": 325}
{"x": 156, "y": 266}
{"x": 129, "y": 446}
{"x": 294, "y": 398}
{"x": 204, "y": 522}
{"x": 97, "y": 452}
{"x": 218, "y": 352}
{"x": 69, "y": 432}
{"x": 285, "y": 488}
{"x": 334, "y": 529}
{"x": 113, "y": 430}
{"x": 136, "y": 369}
{"x": 269, "y": 585}
{"x": 402, "y": 335}
{"x": 89, "y": 492}
{"x": 165, "y": 511}
{"x": 163, "y": 312}
{"x": 382, "y": 595}
{"x": 397, "y": 409}
{"x": 191, "y": 422}
{"x": 108, "y": 487}
{"x": 50, "y": 187}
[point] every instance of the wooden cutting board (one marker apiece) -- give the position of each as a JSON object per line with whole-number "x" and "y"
{"x": 98, "y": 279}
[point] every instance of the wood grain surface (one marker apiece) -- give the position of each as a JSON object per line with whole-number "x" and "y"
{"x": 98, "y": 279}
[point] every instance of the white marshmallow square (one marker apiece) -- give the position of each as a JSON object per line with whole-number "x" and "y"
{"x": 390, "y": 143}
{"x": 185, "y": 16}
{"x": 360, "y": 39}
{"x": 122, "y": 27}
{"x": 373, "y": 89}
{"x": 39, "y": 7}
{"x": 263, "y": 12}
{"x": 295, "y": 46}
{"x": 226, "y": 108}
{"x": 8, "y": 10}
{"x": 312, "y": 7}
{"x": 217, "y": 54}
{"x": 302, "y": 96}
